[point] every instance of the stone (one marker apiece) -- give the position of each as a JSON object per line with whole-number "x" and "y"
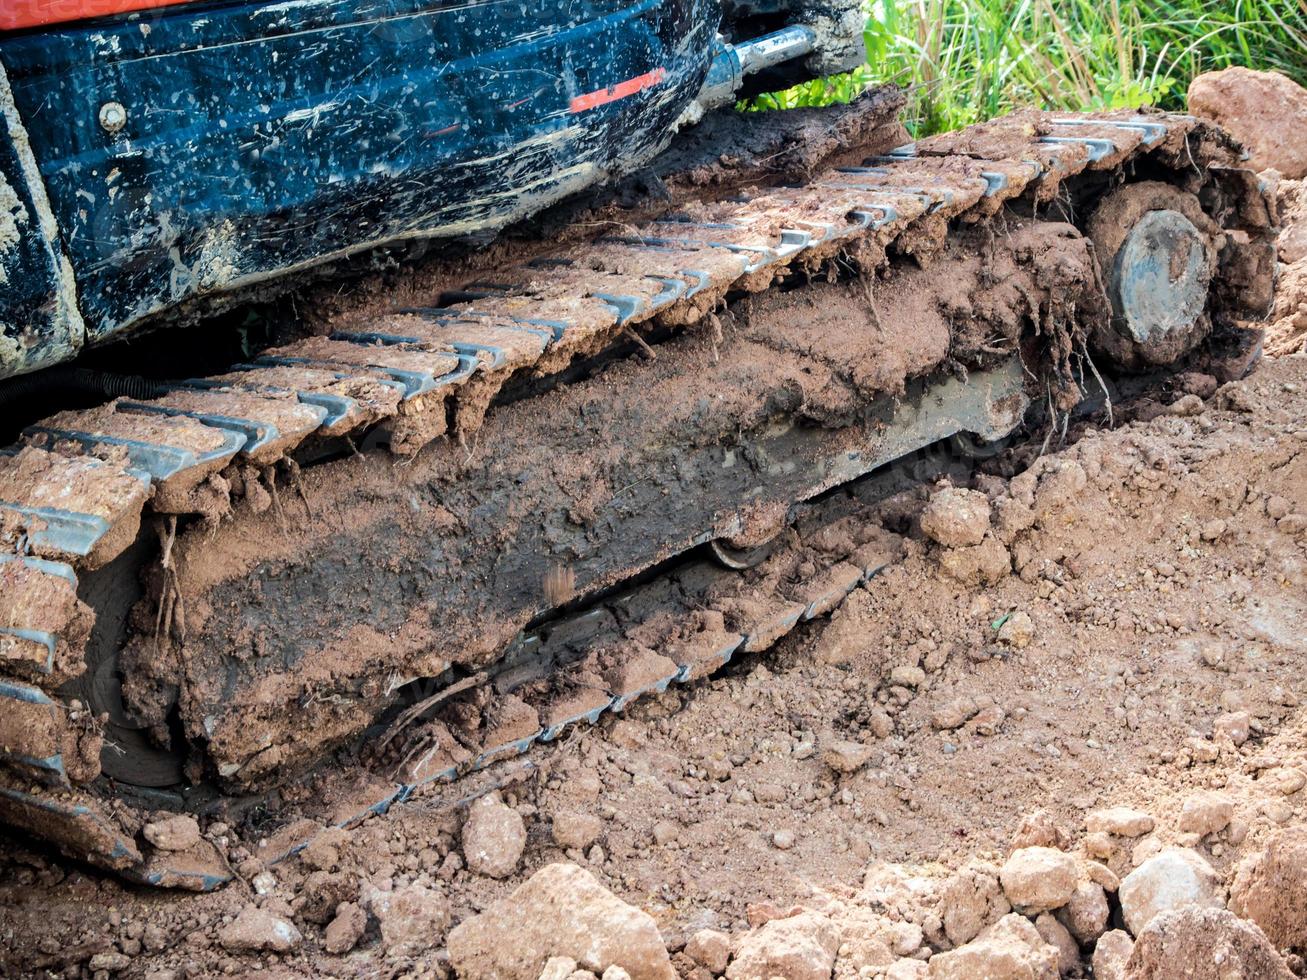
{"x": 1039, "y": 829}
{"x": 322, "y": 892}
{"x": 1270, "y": 888}
{"x": 561, "y": 910}
{"x": 1234, "y": 725}
{"x": 1111, "y": 953}
{"x": 1120, "y": 821}
{"x": 1057, "y": 936}
{"x": 1011, "y": 949}
{"x": 1205, "y": 813}
{"x": 578, "y": 830}
{"x": 1038, "y": 879}
{"x": 710, "y": 949}
{"x": 257, "y": 930}
{"x": 953, "y": 714}
{"x": 1286, "y": 780}
{"x": 907, "y": 970}
{"x": 615, "y": 973}
{"x": 970, "y": 901}
{"x": 1204, "y": 944}
{"x": 1174, "y": 878}
{"x": 987, "y": 563}
{"x": 323, "y": 852}
{"x": 1263, "y": 110}
{"x": 800, "y": 947}
{"x": 494, "y": 836}
{"x": 783, "y": 839}
{"x": 1017, "y": 631}
{"x": 664, "y": 832}
{"x": 345, "y": 930}
{"x": 412, "y": 918}
{"x": 558, "y": 968}
{"x": 1086, "y": 914}
{"x": 175, "y": 833}
{"x": 845, "y": 756}
{"x": 956, "y": 518}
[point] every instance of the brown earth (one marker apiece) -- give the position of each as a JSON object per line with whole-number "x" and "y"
{"x": 1114, "y": 670}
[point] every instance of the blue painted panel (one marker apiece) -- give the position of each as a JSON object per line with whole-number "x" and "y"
{"x": 256, "y": 138}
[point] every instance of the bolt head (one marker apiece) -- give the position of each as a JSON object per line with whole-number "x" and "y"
{"x": 113, "y": 117}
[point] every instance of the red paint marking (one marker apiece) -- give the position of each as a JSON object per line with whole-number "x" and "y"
{"x": 442, "y": 132}
{"x": 17, "y": 14}
{"x": 519, "y": 102}
{"x": 619, "y": 91}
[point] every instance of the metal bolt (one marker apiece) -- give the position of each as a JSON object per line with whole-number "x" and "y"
{"x": 113, "y": 117}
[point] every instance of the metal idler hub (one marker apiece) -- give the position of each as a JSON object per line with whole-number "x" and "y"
{"x": 1160, "y": 278}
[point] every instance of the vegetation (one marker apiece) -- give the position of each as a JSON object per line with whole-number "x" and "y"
{"x": 968, "y": 60}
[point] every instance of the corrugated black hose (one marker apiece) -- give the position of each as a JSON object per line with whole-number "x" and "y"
{"x": 77, "y": 380}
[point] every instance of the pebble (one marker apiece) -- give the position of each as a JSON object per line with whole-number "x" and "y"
{"x": 956, "y": 518}
{"x": 710, "y": 949}
{"x": 1205, "y": 813}
{"x": 256, "y": 930}
{"x": 174, "y": 833}
{"x": 345, "y": 930}
{"x": 846, "y": 756}
{"x": 494, "y": 836}
{"x": 665, "y": 832}
{"x": 1017, "y": 631}
{"x": 783, "y": 839}
{"x": 576, "y": 829}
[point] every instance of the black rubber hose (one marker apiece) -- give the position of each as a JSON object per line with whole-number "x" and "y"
{"x": 88, "y": 381}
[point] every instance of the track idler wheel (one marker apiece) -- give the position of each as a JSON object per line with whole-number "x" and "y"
{"x": 1157, "y": 250}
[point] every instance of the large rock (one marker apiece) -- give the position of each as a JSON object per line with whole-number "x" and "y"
{"x": 1270, "y": 887}
{"x": 493, "y": 837}
{"x": 1204, "y": 944}
{"x": 1011, "y": 949}
{"x": 1120, "y": 821}
{"x": 1087, "y": 912}
{"x": 1264, "y": 110}
{"x": 562, "y": 910}
{"x": 255, "y": 930}
{"x": 971, "y": 900}
{"x": 801, "y": 947}
{"x": 956, "y": 518}
{"x": 1111, "y": 954}
{"x": 1038, "y": 879}
{"x": 1172, "y": 879}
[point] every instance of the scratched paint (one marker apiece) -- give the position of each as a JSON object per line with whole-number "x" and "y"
{"x": 261, "y": 139}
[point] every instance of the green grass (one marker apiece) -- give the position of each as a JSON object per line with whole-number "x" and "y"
{"x": 965, "y": 61}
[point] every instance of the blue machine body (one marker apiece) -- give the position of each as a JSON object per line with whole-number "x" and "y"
{"x": 153, "y": 160}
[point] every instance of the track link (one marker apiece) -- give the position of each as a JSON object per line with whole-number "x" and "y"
{"x": 75, "y": 493}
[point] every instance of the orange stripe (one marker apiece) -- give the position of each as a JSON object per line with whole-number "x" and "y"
{"x": 18, "y": 14}
{"x": 619, "y": 91}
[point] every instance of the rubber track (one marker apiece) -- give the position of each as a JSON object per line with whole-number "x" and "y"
{"x": 74, "y": 493}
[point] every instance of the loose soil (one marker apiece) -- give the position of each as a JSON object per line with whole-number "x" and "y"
{"x": 1158, "y": 591}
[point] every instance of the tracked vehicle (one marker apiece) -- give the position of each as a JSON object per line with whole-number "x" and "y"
{"x": 515, "y": 487}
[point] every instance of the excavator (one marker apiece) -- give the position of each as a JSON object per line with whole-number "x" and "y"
{"x": 392, "y": 385}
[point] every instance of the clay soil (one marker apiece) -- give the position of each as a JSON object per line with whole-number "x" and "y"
{"x": 1162, "y": 592}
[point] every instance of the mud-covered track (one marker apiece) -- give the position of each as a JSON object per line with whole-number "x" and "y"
{"x": 75, "y": 493}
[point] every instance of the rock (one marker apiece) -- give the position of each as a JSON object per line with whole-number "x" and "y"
{"x": 1286, "y": 780}
{"x": 561, "y": 910}
{"x": 710, "y": 949}
{"x": 801, "y": 947}
{"x": 558, "y": 968}
{"x": 1011, "y": 949}
{"x": 1270, "y": 888}
{"x": 1172, "y": 879}
{"x": 412, "y": 919}
{"x": 1187, "y": 406}
{"x": 1205, "y": 813}
{"x": 846, "y": 757}
{"x": 953, "y": 714}
{"x": 1039, "y": 829}
{"x": 1120, "y": 821}
{"x": 984, "y": 564}
{"x": 1060, "y": 484}
{"x": 323, "y": 852}
{"x": 880, "y": 723}
{"x": 1263, "y": 110}
{"x": 1057, "y": 936}
{"x": 1038, "y": 879}
{"x": 1017, "y": 631}
{"x": 907, "y": 675}
{"x": 615, "y": 973}
{"x": 970, "y": 901}
{"x": 322, "y": 892}
{"x": 176, "y": 833}
{"x": 664, "y": 832}
{"x": 956, "y": 518}
{"x": 1234, "y": 725}
{"x": 578, "y": 830}
{"x": 1111, "y": 953}
{"x": 907, "y": 970}
{"x": 493, "y": 837}
{"x": 783, "y": 839}
{"x": 345, "y": 930}
{"x": 1204, "y": 944}
{"x": 1086, "y": 914}
{"x": 257, "y": 930}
